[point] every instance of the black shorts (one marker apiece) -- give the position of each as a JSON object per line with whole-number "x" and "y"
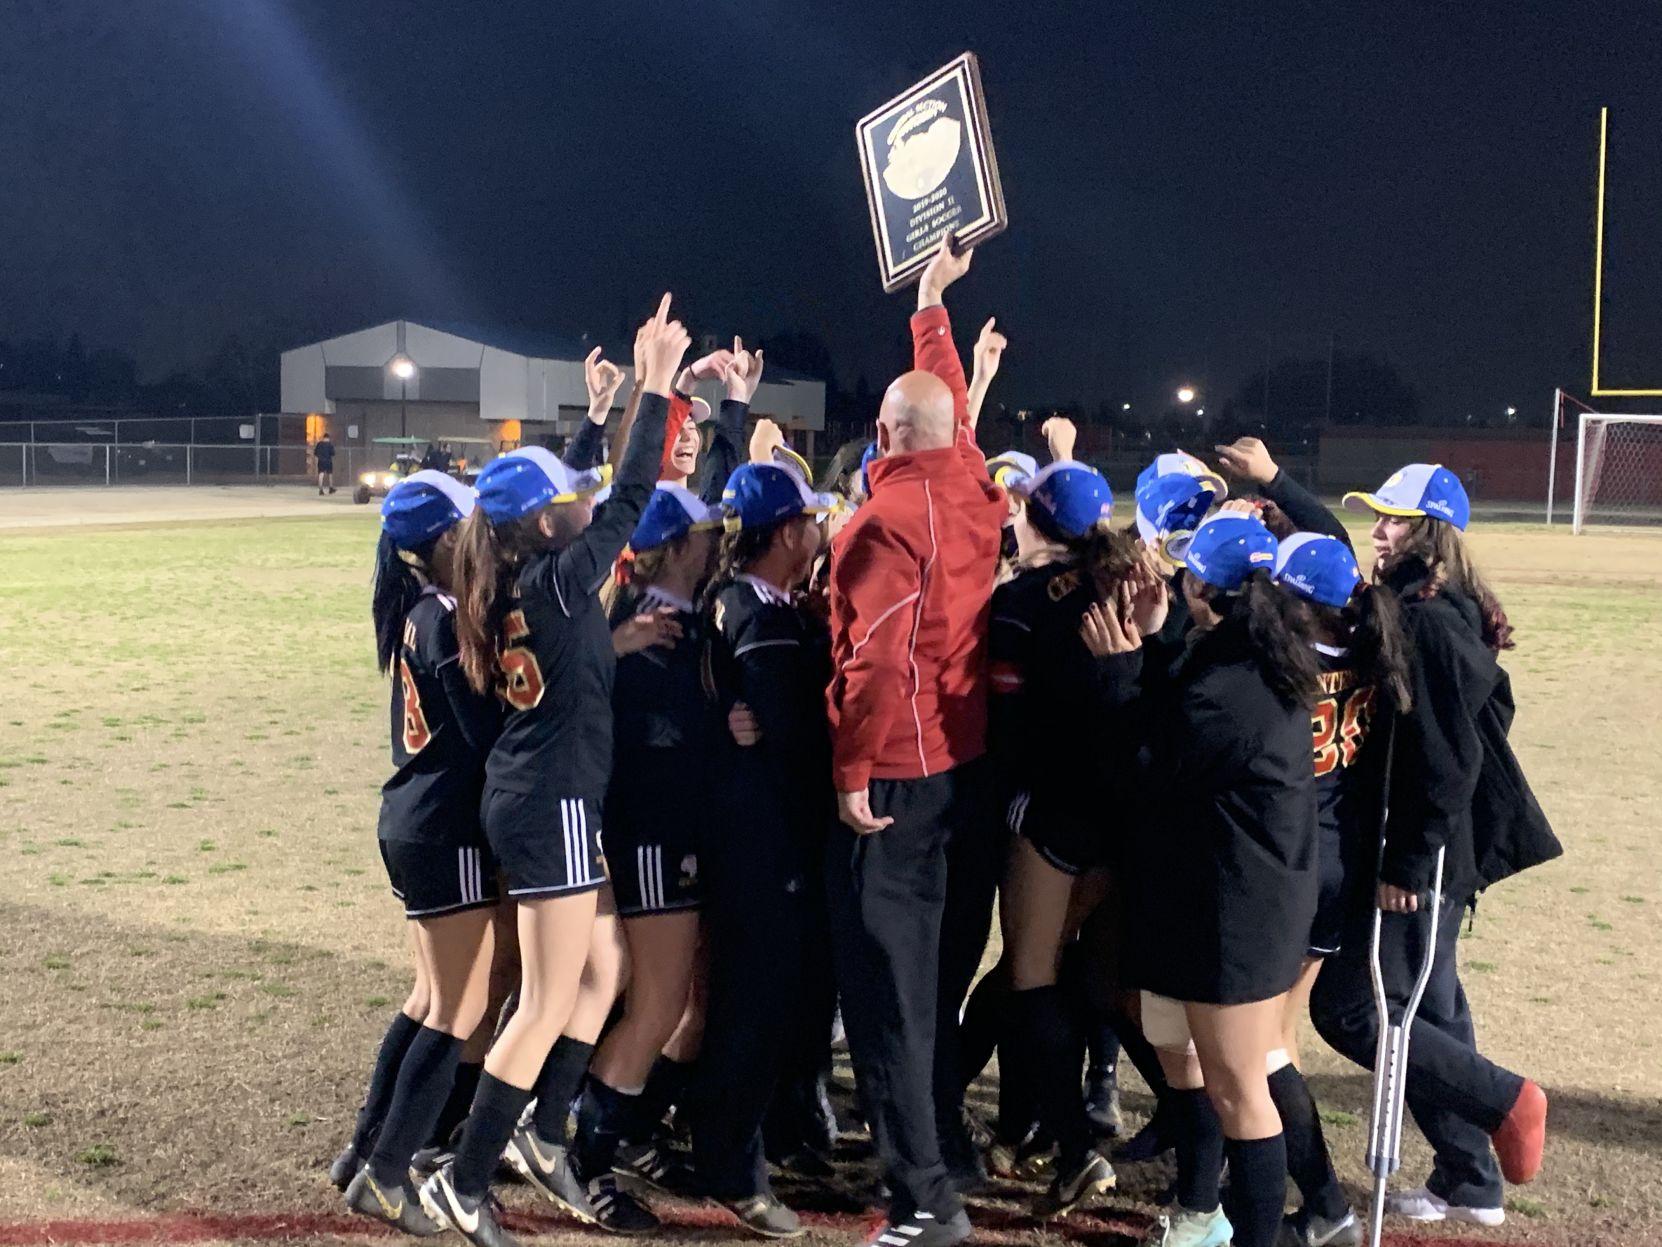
{"x": 1335, "y": 898}
{"x": 546, "y": 845}
{"x": 434, "y": 879}
{"x": 1062, "y": 839}
{"x": 653, "y": 876}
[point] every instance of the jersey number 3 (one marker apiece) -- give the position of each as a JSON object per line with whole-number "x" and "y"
{"x": 521, "y": 675}
{"x": 416, "y": 731}
{"x": 1336, "y": 743}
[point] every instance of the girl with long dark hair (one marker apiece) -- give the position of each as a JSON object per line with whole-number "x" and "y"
{"x": 1227, "y": 868}
{"x": 773, "y": 804}
{"x": 1456, "y": 788}
{"x": 1057, "y": 743}
{"x": 434, "y": 849}
{"x": 531, "y": 628}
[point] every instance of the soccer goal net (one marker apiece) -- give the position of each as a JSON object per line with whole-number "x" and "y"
{"x": 1618, "y": 469}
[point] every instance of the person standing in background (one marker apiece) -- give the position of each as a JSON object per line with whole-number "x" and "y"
{"x": 323, "y": 450}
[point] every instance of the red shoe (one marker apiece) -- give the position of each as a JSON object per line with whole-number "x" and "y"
{"x": 1523, "y": 1136}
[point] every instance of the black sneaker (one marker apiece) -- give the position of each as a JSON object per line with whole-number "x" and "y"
{"x": 1102, "y": 1104}
{"x": 656, "y": 1164}
{"x": 345, "y": 1167}
{"x": 920, "y": 1229}
{"x": 1070, "y": 1188}
{"x": 763, "y": 1214}
{"x": 397, "y": 1206}
{"x": 474, "y": 1219}
{"x": 600, "y": 1201}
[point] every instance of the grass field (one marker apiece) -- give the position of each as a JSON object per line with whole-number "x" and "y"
{"x": 198, "y": 952}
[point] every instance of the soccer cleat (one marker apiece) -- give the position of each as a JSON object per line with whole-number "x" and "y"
{"x": 763, "y": 1214}
{"x": 345, "y": 1167}
{"x": 429, "y": 1160}
{"x": 657, "y": 1165}
{"x": 1102, "y": 1104}
{"x": 1178, "y": 1227}
{"x": 1092, "y": 1177}
{"x": 1522, "y": 1136}
{"x": 1305, "y": 1229}
{"x": 398, "y": 1206}
{"x": 474, "y": 1219}
{"x": 920, "y": 1229}
{"x": 600, "y": 1201}
{"x": 1420, "y": 1204}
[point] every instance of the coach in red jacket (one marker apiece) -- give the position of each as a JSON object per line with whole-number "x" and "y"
{"x": 911, "y": 580}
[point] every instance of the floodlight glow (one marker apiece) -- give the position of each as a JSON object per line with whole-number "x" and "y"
{"x": 1186, "y": 394}
{"x": 402, "y": 367}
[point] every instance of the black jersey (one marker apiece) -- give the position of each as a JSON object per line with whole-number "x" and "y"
{"x": 774, "y": 656}
{"x": 1341, "y": 722}
{"x": 659, "y": 701}
{"x": 1055, "y": 725}
{"x": 442, "y": 732}
{"x": 556, "y": 665}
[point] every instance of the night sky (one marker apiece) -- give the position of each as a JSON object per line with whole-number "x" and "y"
{"x": 1189, "y": 183}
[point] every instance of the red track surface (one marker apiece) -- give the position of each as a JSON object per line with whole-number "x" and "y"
{"x": 992, "y": 1227}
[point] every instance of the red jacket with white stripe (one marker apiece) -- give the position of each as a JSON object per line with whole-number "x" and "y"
{"x": 911, "y": 582}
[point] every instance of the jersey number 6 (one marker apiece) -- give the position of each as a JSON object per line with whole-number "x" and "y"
{"x": 521, "y": 676}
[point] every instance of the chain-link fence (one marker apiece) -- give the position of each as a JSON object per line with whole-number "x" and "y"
{"x": 162, "y": 463}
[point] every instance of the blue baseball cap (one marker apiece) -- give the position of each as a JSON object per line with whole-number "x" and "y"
{"x": 760, "y": 494}
{"x": 1074, "y": 495}
{"x": 1010, "y": 467}
{"x": 1226, "y": 549}
{"x": 671, "y": 513}
{"x": 1419, "y": 489}
{"x": 1317, "y": 568}
{"x": 531, "y": 478}
{"x": 423, "y": 507}
{"x": 1173, "y": 503}
{"x": 1182, "y": 461}
{"x": 784, "y": 456}
{"x": 866, "y": 456}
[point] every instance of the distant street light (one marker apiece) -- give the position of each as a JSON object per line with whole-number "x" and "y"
{"x": 1200, "y": 411}
{"x": 402, "y": 367}
{"x": 1511, "y": 411}
{"x": 1186, "y": 394}
{"x": 1125, "y": 406}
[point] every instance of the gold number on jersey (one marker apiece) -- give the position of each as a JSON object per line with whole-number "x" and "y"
{"x": 416, "y": 731}
{"x": 522, "y": 685}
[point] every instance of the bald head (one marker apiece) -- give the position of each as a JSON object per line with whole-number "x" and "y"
{"x": 916, "y": 414}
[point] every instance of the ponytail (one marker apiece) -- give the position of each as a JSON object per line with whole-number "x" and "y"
{"x": 1374, "y": 619}
{"x": 398, "y": 583}
{"x": 737, "y": 549}
{"x": 486, "y": 555}
{"x": 1278, "y": 634}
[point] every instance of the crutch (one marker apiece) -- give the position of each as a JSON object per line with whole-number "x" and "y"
{"x": 1390, "y": 1062}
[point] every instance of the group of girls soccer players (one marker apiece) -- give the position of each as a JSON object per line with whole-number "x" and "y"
{"x": 1203, "y": 728}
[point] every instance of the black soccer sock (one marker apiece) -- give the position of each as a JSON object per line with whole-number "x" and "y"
{"x": 605, "y": 1117}
{"x": 1307, "y": 1160}
{"x": 456, "y": 1105}
{"x": 1053, "y": 1049}
{"x": 557, "y": 1086}
{"x": 1198, "y": 1137}
{"x": 1257, "y": 1189}
{"x": 983, "y": 1024}
{"x": 666, "y": 1087}
{"x": 424, "y": 1079}
{"x": 496, "y": 1111}
{"x": 382, "y": 1080}
{"x": 1102, "y": 1042}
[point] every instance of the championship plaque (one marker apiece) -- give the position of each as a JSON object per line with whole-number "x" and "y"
{"x": 927, "y": 156}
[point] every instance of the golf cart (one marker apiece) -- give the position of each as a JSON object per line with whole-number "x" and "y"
{"x": 408, "y": 455}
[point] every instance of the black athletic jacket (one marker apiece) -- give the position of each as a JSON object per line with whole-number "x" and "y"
{"x": 726, "y": 450}
{"x": 557, "y": 662}
{"x": 1455, "y": 782}
{"x": 587, "y": 448}
{"x": 1307, "y": 512}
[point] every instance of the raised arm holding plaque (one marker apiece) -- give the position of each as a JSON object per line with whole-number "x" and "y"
{"x": 927, "y": 157}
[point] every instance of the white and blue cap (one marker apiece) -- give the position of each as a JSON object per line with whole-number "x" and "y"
{"x": 760, "y": 494}
{"x": 1172, "y": 504}
{"x": 423, "y": 506}
{"x": 1182, "y": 461}
{"x": 531, "y": 478}
{"x": 670, "y": 514}
{"x": 1227, "y": 549}
{"x": 1011, "y": 467}
{"x": 1074, "y": 495}
{"x": 866, "y": 456}
{"x": 1317, "y": 568}
{"x": 1419, "y": 489}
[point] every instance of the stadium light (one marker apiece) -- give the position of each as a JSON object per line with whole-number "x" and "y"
{"x": 1511, "y": 411}
{"x": 1125, "y": 406}
{"x": 1186, "y": 394}
{"x": 402, "y": 367}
